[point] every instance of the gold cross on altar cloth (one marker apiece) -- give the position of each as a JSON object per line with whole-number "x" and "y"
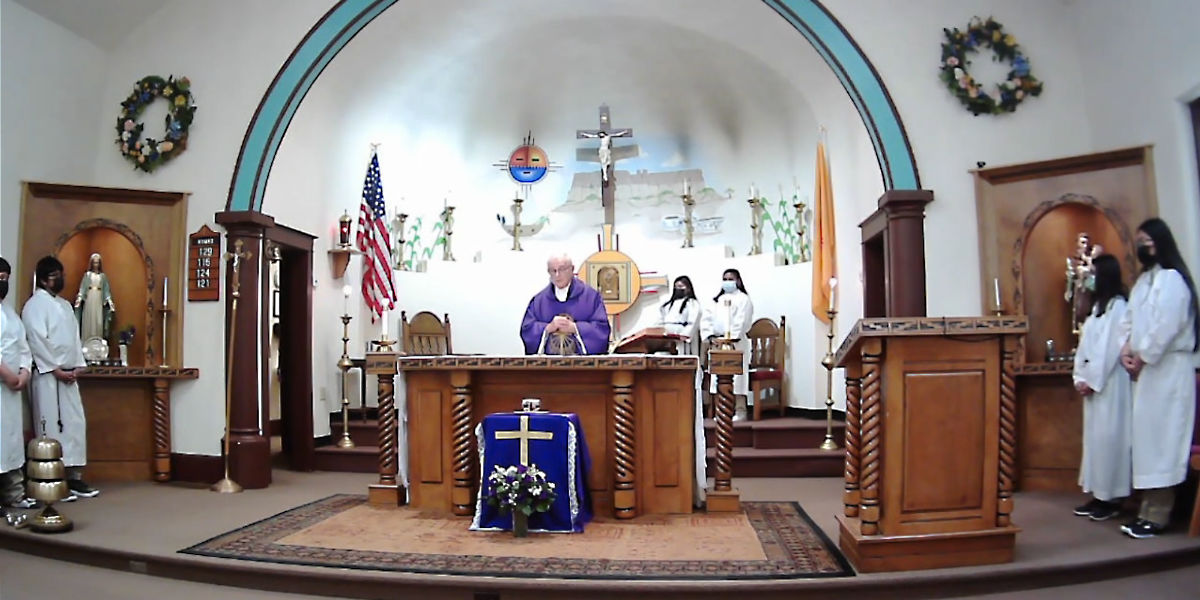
{"x": 524, "y": 435}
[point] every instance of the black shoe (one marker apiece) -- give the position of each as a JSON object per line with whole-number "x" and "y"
{"x": 1143, "y": 529}
{"x": 1127, "y": 525}
{"x": 82, "y": 489}
{"x": 1087, "y": 509}
{"x": 1105, "y": 511}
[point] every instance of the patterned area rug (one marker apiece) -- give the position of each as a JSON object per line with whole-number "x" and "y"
{"x": 768, "y": 540}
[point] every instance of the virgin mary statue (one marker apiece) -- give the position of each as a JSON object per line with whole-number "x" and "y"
{"x": 94, "y": 304}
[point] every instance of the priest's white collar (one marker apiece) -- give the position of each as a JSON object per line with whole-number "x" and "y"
{"x": 561, "y": 293}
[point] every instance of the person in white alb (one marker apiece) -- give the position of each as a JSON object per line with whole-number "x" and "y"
{"x": 1104, "y": 470}
{"x": 15, "y": 364}
{"x": 1160, "y": 334}
{"x": 53, "y": 335}
{"x": 731, "y": 311}
{"x": 680, "y": 314}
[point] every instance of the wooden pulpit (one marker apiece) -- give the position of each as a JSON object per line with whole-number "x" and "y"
{"x": 930, "y": 442}
{"x": 649, "y": 341}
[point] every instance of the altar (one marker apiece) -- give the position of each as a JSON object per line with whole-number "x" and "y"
{"x": 638, "y": 413}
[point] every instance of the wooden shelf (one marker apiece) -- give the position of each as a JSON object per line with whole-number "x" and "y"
{"x": 341, "y": 259}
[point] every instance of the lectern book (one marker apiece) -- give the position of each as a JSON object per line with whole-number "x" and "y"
{"x": 649, "y": 341}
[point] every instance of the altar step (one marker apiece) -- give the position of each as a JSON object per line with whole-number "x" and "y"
{"x": 779, "y": 447}
{"x": 772, "y": 447}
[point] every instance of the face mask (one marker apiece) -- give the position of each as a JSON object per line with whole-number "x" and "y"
{"x": 729, "y": 287}
{"x": 1143, "y": 254}
{"x": 3, "y": 289}
{"x": 679, "y": 293}
{"x": 56, "y": 286}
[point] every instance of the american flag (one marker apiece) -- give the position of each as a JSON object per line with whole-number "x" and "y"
{"x": 378, "y": 287}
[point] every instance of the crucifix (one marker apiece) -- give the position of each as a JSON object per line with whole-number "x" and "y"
{"x": 524, "y": 435}
{"x": 606, "y": 155}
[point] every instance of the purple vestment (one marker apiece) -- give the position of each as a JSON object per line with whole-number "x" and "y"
{"x": 583, "y": 304}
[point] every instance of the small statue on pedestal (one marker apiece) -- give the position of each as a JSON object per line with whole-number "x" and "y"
{"x": 1081, "y": 280}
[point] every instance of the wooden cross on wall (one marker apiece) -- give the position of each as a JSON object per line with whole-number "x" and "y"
{"x": 607, "y": 156}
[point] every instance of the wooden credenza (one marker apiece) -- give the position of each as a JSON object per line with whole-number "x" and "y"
{"x": 930, "y": 442}
{"x": 637, "y": 411}
{"x": 129, "y": 421}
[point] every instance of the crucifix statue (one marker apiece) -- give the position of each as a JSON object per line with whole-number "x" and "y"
{"x": 606, "y": 155}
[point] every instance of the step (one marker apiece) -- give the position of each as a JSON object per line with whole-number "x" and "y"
{"x": 359, "y": 459}
{"x": 361, "y": 432}
{"x": 791, "y": 462}
{"x": 778, "y": 433}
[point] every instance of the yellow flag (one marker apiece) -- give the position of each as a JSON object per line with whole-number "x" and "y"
{"x": 824, "y": 266}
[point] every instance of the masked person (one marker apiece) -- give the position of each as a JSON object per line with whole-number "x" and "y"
{"x": 1104, "y": 470}
{"x": 53, "y": 336}
{"x": 731, "y": 312}
{"x": 681, "y": 314}
{"x": 15, "y": 365}
{"x": 1160, "y": 336}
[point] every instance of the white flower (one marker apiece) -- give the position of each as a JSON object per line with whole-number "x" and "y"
{"x": 125, "y": 135}
{"x": 959, "y": 73}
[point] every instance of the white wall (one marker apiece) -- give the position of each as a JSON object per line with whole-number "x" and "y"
{"x": 52, "y": 97}
{"x": 424, "y": 80}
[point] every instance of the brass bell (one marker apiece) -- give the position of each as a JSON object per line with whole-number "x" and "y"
{"x": 45, "y": 481}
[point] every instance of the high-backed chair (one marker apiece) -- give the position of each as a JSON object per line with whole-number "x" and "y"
{"x": 426, "y": 335}
{"x": 768, "y": 348}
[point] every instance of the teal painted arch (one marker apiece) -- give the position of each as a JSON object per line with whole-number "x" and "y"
{"x": 338, "y": 26}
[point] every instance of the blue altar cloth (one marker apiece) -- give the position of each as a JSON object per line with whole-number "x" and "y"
{"x": 563, "y": 457}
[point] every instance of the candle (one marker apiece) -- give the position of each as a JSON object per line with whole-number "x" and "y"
{"x": 164, "y": 292}
{"x": 728, "y": 318}
{"x": 386, "y": 315}
{"x": 996, "y": 291}
{"x": 753, "y": 192}
{"x": 345, "y": 300}
{"x": 686, "y": 187}
{"x": 832, "y": 293}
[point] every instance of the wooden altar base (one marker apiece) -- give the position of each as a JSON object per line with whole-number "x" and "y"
{"x": 874, "y": 553}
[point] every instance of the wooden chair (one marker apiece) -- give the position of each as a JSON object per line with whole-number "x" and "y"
{"x": 426, "y": 335}
{"x": 768, "y": 348}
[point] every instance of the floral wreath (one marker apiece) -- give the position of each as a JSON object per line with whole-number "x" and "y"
{"x": 1009, "y": 93}
{"x": 149, "y": 153}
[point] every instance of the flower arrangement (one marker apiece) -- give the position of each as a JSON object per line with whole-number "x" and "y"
{"x": 1019, "y": 85}
{"x": 149, "y": 153}
{"x": 125, "y": 336}
{"x": 520, "y": 489}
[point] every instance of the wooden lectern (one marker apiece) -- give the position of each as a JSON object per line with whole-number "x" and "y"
{"x": 930, "y": 442}
{"x": 649, "y": 341}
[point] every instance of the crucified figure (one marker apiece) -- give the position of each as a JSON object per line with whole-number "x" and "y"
{"x": 605, "y": 151}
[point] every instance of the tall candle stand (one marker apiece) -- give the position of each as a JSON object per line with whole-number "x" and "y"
{"x": 756, "y": 225}
{"x": 827, "y": 362}
{"x": 516, "y": 226}
{"x": 689, "y": 224}
{"x": 344, "y": 364}
{"x": 447, "y": 231}
{"x": 398, "y": 254}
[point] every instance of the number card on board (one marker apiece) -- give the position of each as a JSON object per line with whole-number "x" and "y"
{"x": 204, "y": 265}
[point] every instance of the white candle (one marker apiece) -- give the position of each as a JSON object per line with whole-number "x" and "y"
{"x": 728, "y": 318}
{"x": 832, "y": 293}
{"x": 164, "y": 292}
{"x": 996, "y": 291}
{"x": 686, "y": 187}
{"x": 386, "y": 315}
{"x": 753, "y": 192}
{"x": 345, "y": 300}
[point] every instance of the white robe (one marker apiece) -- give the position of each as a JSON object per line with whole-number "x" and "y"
{"x": 1158, "y": 327}
{"x": 14, "y": 353}
{"x": 53, "y": 336}
{"x": 737, "y": 317}
{"x": 1105, "y": 470}
{"x": 682, "y": 320}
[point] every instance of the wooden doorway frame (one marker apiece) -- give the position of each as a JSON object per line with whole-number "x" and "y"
{"x": 295, "y": 357}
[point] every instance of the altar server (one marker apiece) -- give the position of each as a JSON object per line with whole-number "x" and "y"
{"x": 681, "y": 313}
{"x": 53, "y": 336}
{"x": 732, "y": 312}
{"x": 1104, "y": 470}
{"x": 15, "y": 365}
{"x": 1160, "y": 336}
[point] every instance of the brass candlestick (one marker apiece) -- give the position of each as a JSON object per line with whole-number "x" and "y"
{"x": 344, "y": 364}
{"x": 516, "y": 232}
{"x": 802, "y": 232}
{"x": 227, "y": 485}
{"x": 827, "y": 362}
{"x": 398, "y": 253}
{"x": 447, "y": 232}
{"x": 756, "y": 225}
{"x": 689, "y": 223}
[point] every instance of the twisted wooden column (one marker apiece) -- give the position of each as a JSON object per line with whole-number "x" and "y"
{"x": 872, "y": 435}
{"x": 462, "y": 460}
{"x": 625, "y": 453}
{"x": 725, "y": 364}
{"x": 161, "y": 429}
{"x": 1008, "y": 431}
{"x": 851, "y": 497}
{"x": 387, "y": 429}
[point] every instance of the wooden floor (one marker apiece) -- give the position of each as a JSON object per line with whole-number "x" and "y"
{"x": 136, "y": 529}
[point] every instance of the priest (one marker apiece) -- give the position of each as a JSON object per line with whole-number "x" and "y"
{"x": 567, "y": 316}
